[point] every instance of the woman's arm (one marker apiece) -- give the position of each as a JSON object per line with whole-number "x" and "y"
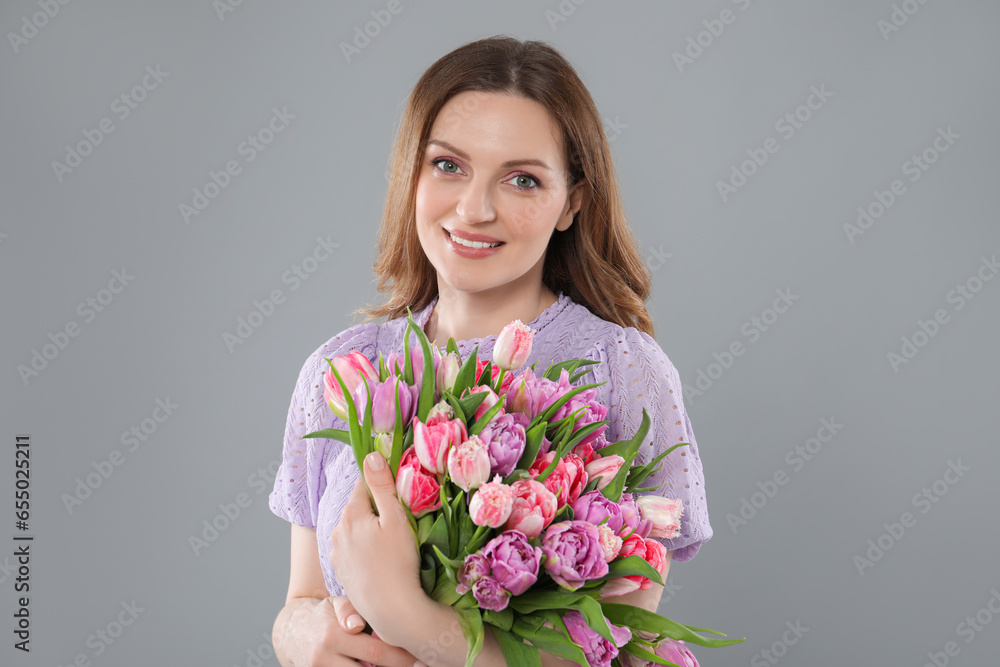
{"x": 308, "y": 630}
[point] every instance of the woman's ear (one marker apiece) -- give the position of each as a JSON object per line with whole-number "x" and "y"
{"x": 574, "y": 201}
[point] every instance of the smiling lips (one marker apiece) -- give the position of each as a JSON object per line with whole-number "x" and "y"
{"x": 475, "y": 241}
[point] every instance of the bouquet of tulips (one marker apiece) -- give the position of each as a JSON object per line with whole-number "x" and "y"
{"x": 522, "y": 512}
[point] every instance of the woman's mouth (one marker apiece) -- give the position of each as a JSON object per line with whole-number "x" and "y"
{"x": 472, "y": 244}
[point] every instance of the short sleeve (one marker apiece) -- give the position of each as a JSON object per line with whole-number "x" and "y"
{"x": 641, "y": 376}
{"x": 299, "y": 483}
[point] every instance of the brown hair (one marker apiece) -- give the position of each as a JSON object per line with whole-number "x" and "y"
{"x": 596, "y": 262}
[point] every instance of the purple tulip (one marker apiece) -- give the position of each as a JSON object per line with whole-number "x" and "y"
{"x": 593, "y": 507}
{"x": 474, "y": 568}
{"x": 514, "y": 560}
{"x": 531, "y": 395}
{"x": 672, "y": 650}
{"x": 599, "y": 651}
{"x": 592, "y": 411}
{"x": 505, "y": 440}
{"x": 384, "y": 403}
{"x": 395, "y": 360}
{"x": 573, "y": 553}
{"x": 490, "y": 594}
{"x": 632, "y": 517}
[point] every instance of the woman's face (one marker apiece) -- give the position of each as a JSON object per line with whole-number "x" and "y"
{"x": 493, "y": 170}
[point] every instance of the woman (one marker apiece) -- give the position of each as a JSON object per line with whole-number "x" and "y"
{"x": 502, "y": 205}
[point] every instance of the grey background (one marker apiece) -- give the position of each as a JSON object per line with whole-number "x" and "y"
{"x": 675, "y": 131}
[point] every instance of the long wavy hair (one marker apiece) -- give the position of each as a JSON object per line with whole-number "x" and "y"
{"x": 596, "y": 262}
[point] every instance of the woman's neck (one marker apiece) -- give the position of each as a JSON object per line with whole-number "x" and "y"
{"x": 465, "y": 316}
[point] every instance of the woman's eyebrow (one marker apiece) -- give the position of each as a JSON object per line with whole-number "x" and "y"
{"x": 509, "y": 163}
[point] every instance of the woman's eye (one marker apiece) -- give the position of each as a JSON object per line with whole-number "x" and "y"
{"x": 525, "y": 182}
{"x": 445, "y": 161}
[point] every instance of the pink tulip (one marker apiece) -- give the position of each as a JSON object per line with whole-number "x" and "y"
{"x": 469, "y": 463}
{"x": 534, "y": 508}
{"x": 513, "y": 345}
{"x": 350, "y": 367}
{"x": 611, "y": 543}
{"x": 447, "y": 372}
{"x": 664, "y": 513}
{"x": 432, "y": 442}
{"x": 605, "y": 467}
{"x": 492, "y": 503}
{"x": 633, "y": 545}
{"x": 416, "y": 488}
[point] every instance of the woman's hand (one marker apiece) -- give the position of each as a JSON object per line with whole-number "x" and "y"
{"x": 317, "y": 633}
{"x": 375, "y": 556}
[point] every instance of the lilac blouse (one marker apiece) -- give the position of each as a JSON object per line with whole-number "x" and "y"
{"x": 317, "y": 475}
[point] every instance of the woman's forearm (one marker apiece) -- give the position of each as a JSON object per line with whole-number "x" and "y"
{"x": 435, "y": 636}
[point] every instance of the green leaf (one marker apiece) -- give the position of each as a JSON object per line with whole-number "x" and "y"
{"x": 551, "y": 641}
{"x": 428, "y": 573}
{"x": 424, "y": 525}
{"x": 637, "y": 617}
{"x": 533, "y": 442}
{"x": 547, "y": 414}
{"x": 332, "y": 433}
{"x": 637, "y": 650}
{"x": 426, "y": 400}
{"x": 466, "y": 373}
{"x": 472, "y": 626}
{"x": 438, "y": 534}
{"x": 357, "y": 445}
{"x": 637, "y": 474}
{"x": 471, "y": 402}
{"x": 503, "y": 619}
{"x": 456, "y": 405}
{"x": 515, "y": 651}
{"x": 627, "y": 567}
{"x": 481, "y": 423}
{"x": 397, "y": 440}
{"x": 452, "y": 347}
{"x": 613, "y": 491}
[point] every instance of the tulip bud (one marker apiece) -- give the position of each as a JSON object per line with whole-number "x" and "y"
{"x": 447, "y": 372}
{"x": 469, "y": 464}
{"x": 513, "y": 345}
{"x": 605, "y": 467}
{"x": 664, "y": 513}
{"x": 351, "y": 368}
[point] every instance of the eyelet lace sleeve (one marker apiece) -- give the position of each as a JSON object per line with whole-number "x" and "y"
{"x": 300, "y": 480}
{"x": 641, "y": 376}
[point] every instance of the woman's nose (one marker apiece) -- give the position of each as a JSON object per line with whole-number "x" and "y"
{"x": 475, "y": 203}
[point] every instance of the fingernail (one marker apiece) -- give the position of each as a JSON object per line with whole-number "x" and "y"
{"x": 376, "y": 461}
{"x": 419, "y": 664}
{"x": 354, "y": 621}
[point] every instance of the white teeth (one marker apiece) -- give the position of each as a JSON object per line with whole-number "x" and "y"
{"x": 472, "y": 244}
